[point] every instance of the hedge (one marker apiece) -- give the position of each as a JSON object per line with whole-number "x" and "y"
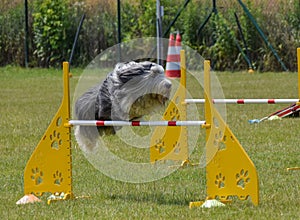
{"x": 53, "y": 24}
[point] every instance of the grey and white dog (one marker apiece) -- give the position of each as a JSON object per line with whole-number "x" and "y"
{"x": 129, "y": 92}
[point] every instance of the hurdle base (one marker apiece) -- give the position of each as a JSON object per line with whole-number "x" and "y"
{"x": 31, "y": 198}
{"x": 213, "y": 203}
{"x": 60, "y": 197}
{"x": 250, "y": 70}
{"x": 188, "y": 163}
{"x": 67, "y": 197}
{"x": 185, "y": 163}
{"x": 292, "y": 168}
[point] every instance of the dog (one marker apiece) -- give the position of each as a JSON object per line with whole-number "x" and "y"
{"x": 131, "y": 91}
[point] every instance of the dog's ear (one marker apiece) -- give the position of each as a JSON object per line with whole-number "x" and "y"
{"x": 129, "y": 70}
{"x": 152, "y": 67}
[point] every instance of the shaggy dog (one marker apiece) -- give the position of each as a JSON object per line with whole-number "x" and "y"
{"x": 129, "y": 92}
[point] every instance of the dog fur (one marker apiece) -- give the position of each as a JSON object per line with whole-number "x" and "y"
{"x": 129, "y": 92}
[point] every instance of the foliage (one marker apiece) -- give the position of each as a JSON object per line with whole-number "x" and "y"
{"x": 11, "y": 35}
{"x": 50, "y": 31}
{"x": 98, "y": 31}
{"x": 221, "y": 43}
{"x": 53, "y": 24}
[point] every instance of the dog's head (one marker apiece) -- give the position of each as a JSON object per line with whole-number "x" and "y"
{"x": 138, "y": 88}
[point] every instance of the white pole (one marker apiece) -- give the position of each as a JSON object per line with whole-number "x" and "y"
{"x": 135, "y": 123}
{"x": 244, "y": 101}
{"x": 159, "y": 32}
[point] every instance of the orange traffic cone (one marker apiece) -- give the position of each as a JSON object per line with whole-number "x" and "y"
{"x": 178, "y": 42}
{"x": 173, "y": 58}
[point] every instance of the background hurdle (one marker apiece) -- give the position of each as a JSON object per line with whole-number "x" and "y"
{"x": 177, "y": 149}
{"x": 281, "y": 113}
{"x": 223, "y": 165}
{"x": 171, "y": 143}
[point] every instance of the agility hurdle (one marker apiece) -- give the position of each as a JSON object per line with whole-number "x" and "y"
{"x": 160, "y": 150}
{"x": 229, "y": 170}
{"x": 254, "y": 101}
{"x": 49, "y": 169}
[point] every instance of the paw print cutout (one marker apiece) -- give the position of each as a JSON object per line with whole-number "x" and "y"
{"x": 220, "y": 180}
{"x": 242, "y": 178}
{"x": 56, "y": 140}
{"x": 37, "y": 175}
{"x": 176, "y": 147}
{"x": 58, "y": 178}
{"x": 174, "y": 114}
{"x": 160, "y": 146}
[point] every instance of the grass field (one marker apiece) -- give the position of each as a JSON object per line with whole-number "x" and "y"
{"x": 30, "y": 98}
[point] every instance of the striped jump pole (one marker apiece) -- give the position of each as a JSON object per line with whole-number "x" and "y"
{"x": 244, "y": 101}
{"x": 134, "y": 123}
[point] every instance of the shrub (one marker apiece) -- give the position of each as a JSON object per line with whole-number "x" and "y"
{"x": 50, "y": 35}
{"x": 12, "y": 36}
{"x": 53, "y": 24}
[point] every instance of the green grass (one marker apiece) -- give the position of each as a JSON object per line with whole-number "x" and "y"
{"x": 30, "y": 98}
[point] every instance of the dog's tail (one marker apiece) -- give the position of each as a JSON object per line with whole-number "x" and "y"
{"x": 85, "y": 108}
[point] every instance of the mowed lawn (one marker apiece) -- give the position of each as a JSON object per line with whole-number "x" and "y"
{"x": 31, "y": 97}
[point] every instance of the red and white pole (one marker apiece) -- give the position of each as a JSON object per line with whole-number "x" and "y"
{"x": 134, "y": 123}
{"x": 244, "y": 101}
